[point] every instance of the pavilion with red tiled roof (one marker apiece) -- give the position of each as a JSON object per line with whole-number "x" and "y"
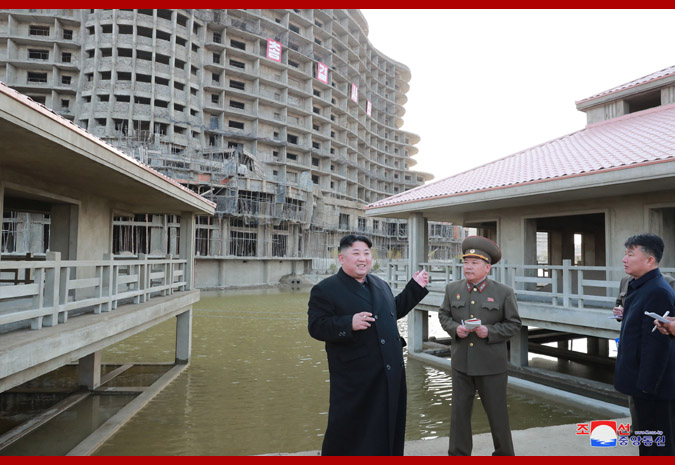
{"x": 561, "y": 212}
{"x": 637, "y": 140}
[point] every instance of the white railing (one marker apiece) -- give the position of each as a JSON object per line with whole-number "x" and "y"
{"x": 564, "y": 285}
{"x": 43, "y": 292}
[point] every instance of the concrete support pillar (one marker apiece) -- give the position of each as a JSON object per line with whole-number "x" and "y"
{"x": 530, "y": 249}
{"x": 187, "y": 246}
{"x": 184, "y": 337}
{"x": 597, "y": 346}
{"x": 518, "y": 353}
{"x": 63, "y": 230}
{"x": 89, "y": 371}
{"x": 418, "y": 240}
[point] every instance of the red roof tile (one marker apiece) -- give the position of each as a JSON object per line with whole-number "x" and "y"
{"x": 643, "y": 137}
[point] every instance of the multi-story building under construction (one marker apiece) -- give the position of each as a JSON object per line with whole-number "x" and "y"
{"x": 288, "y": 119}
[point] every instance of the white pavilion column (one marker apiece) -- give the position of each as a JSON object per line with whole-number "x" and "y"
{"x": 418, "y": 245}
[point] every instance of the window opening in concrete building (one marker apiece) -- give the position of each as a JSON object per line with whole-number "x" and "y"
{"x": 238, "y": 105}
{"x": 644, "y": 101}
{"x": 236, "y": 124}
{"x": 65, "y": 57}
{"x": 238, "y": 44}
{"x": 578, "y": 250}
{"x": 162, "y": 35}
{"x": 38, "y": 78}
{"x": 38, "y": 30}
{"x": 243, "y": 244}
{"x": 343, "y": 222}
{"x": 68, "y": 34}
{"x": 237, "y": 85}
{"x": 279, "y": 245}
{"x": 237, "y": 64}
{"x": 66, "y": 80}
{"x": 9, "y": 232}
{"x": 38, "y": 54}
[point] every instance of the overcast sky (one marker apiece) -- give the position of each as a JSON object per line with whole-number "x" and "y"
{"x": 490, "y": 83}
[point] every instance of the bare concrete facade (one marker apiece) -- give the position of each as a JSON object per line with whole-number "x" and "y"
{"x": 289, "y": 156}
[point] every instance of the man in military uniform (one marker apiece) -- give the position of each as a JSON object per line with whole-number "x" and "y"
{"x": 479, "y": 354}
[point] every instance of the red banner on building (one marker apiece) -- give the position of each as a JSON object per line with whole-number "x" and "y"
{"x": 274, "y": 50}
{"x": 322, "y": 72}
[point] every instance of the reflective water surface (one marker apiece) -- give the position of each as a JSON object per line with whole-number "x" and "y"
{"x": 257, "y": 383}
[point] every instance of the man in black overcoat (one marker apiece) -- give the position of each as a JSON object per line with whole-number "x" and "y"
{"x": 645, "y": 362}
{"x": 355, "y": 314}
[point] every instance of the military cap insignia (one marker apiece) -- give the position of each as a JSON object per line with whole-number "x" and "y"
{"x": 457, "y": 296}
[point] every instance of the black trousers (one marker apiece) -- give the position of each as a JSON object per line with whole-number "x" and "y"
{"x": 492, "y": 391}
{"x": 656, "y": 415}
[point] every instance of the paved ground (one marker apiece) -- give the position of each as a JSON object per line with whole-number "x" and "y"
{"x": 549, "y": 440}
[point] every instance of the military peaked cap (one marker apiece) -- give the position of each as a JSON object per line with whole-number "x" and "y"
{"x": 481, "y": 247}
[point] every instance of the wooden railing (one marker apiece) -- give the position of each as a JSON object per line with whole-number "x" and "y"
{"x": 58, "y": 287}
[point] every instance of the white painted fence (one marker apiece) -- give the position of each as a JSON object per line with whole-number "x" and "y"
{"x": 43, "y": 292}
{"x": 564, "y": 285}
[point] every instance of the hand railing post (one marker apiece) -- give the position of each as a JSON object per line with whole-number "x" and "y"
{"x": 51, "y": 292}
{"x": 567, "y": 281}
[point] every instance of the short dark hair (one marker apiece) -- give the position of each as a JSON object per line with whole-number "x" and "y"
{"x": 651, "y": 244}
{"x": 349, "y": 240}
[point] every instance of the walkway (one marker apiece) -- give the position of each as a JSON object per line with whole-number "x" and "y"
{"x": 558, "y": 440}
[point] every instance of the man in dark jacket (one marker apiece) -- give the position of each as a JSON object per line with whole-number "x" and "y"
{"x": 355, "y": 314}
{"x": 645, "y": 363}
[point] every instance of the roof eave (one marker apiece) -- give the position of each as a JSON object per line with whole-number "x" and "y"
{"x": 643, "y": 177}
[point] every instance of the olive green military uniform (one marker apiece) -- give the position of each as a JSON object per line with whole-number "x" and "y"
{"x": 479, "y": 364}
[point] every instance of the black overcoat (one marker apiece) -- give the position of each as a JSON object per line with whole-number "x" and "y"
{"x": 367, "y": 374}
{"x": 645, "y": 362}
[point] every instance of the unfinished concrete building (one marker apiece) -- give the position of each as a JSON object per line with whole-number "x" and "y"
{"x": 289, "y": 120}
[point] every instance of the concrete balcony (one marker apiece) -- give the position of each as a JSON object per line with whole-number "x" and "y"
{"x": 108, "y": 300}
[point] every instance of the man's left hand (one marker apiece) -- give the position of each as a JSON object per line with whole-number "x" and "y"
{"x": 481, "y": 331}
{"x": 666, "y": 328}
{"x": 421, "y": 278}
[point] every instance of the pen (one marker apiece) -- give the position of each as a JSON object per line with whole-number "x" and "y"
{"x": 664, "y": 315}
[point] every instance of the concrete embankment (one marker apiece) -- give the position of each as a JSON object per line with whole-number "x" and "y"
{"x": 560, "y": 440}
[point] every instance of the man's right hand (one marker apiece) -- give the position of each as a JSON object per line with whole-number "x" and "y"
{"x": 618, "y": 312}
{"x": 361, "y": 321}
{"x": 462, "y": 332}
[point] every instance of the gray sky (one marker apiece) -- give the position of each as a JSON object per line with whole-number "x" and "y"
{"x": 486, "y": 84}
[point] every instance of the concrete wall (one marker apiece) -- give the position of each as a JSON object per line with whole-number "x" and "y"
{"x": 238, "y": 272}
